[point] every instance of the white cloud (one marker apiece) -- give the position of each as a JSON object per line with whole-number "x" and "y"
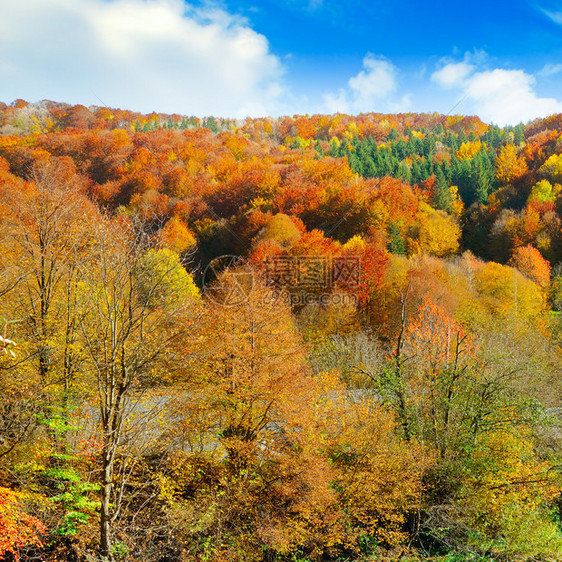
{"x": 452, "y": 75}
{"x": 550, "y": 69}
{"x": 507, "y": 97}
{"x": 501, "y": 96}
{"x": 145, "y": 55}
{"x": 372, "y": 89}
{"x": 556, "y": 17}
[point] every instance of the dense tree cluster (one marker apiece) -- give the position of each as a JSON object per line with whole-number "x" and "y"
{"x": 377, "y": 376}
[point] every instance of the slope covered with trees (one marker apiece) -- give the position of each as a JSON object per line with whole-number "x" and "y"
{"x": 376, "y": 375}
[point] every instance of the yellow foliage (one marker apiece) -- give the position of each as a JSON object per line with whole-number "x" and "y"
{"x": 268, "y": 184}
{"x": 438, "y": 233}
{"x": 509, "y": 166}
{"x": 282, "y": 230}
{"x": 542, "y": 192}
{"x": 378, "y": 477}
{"x": 378, "y": 215}
{"x": 505, "y": 291}
{"x": 553, "y": 167}
{"x": 456, "y": 201}
{"x": 503, "y": 500}
{"x": 354, "y": 244}
{"x": 163, "y": 280}
{"x": 469, "y": 149}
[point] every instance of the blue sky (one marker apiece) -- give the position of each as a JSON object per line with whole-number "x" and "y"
{"x": 500, "y": 60}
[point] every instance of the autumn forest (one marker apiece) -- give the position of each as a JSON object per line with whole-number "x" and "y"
{"x": 305, "y": 338}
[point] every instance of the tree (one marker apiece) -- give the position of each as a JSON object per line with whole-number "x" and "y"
{"x": 505, "y": 291}
{"x": 468, "y": 150}
{"x": 176, "y": 236}
{"x": 139, "y": 309}
{"x": 542, "y": 192}
{"x": 552, "y": 168}
{"x": 509, "y": 166}
{"x": 438, "y": 233}
{"x": 20, "y": 402}
{"x": 377, "y": 476}
{"x": 486, "y": 479}
{"x": 281, "y": 229}
{"x": 247, "y": 443}
{"x": 19, "y": 530}
{"x": 529, "y": 261}
{"x": 49, "y": 227}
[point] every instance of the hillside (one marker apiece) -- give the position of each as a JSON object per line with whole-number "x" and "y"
{"x": 372, "y": 372}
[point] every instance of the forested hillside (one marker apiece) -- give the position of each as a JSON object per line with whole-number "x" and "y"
{"x": 303, "y": 338}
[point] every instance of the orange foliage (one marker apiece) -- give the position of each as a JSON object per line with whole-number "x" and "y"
{"x": 433, "y": 336}
{"x": 529, "y": 261}
{"x": 398, "y": 199}
{"x": 177, "y": 236}
{"x": 373, "y": 263}
{"x": 17, "y": 528}
{"x": 314, "y": 243}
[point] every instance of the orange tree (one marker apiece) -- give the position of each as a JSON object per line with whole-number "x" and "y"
{"x": 19, "y": 530}
{"x": 247, "y": 475}
{"x": 270, "y": 457}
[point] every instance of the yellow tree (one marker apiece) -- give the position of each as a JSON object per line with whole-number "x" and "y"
{"x": 509, "y": 166}
{"x": 46, "y": 236}
{"x": 378, "y": 476}
{"x": 140, "y": 307}
{"x": 438, "y": 233}
{"x": 552, "y": 168}
{"x": 468, "y": 150}
{"x": 281, "y": 229}
{"x": 506, "y": 292}
{"x": 48, "y": 228}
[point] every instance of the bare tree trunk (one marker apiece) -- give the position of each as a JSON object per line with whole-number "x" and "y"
{"x": 105, "y": 511}
{"x": 126, "y": 339}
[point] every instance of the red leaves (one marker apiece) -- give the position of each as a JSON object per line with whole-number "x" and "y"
{"x": 17, "y": 528}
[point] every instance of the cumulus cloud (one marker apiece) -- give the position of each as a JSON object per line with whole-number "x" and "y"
{"x": 507, "y": 96}
{"x": 372, "y": 89}
{"x": 452, "y": 74}
{"x": 501, "y": 96}
{"x": 146, "y": 55}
